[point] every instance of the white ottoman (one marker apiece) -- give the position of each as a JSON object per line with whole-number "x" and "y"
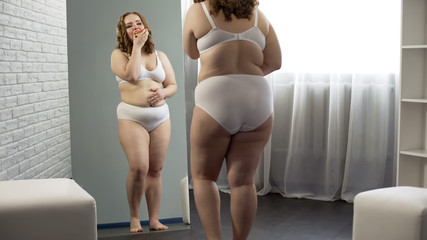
{"x": 44, "y": 209}
{"x": 395, "y": 213}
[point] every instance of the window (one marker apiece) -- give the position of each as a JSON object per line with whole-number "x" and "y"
{"x": 342, "y": 36}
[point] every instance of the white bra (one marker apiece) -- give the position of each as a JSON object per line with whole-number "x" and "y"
{"x": 157, "y": 74}
{"x": 218, "y": 36}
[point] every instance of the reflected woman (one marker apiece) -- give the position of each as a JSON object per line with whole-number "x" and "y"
{"x": 146, "y": 78}
{"x": 233, "y": 116}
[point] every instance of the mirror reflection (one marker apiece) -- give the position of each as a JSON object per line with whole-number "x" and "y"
{"x": 146, "y": 78}
{"x": 130, "y": 162}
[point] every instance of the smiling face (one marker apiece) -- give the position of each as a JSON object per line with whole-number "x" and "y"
{"x": 133, "y": 25}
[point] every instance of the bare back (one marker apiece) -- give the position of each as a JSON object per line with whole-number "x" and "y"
{"x": 233, "y": 57}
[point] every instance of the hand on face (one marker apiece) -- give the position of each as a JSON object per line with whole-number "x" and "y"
{"x": 140, "y": 36}
{"x": 136, "y": 30}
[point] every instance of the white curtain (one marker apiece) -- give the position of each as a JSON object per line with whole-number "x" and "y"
{"x": 333, "y": 136}
{"x": 334, "y": 99}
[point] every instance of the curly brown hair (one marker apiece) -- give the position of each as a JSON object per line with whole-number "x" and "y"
{"x": 240, "y": 8}
{"x": 124, "y": 43}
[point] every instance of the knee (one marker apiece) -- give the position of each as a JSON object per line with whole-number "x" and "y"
{"x": 205, "y": 177}
{"x": 238, "y": 180}
{"x": 138, "y": 173}
{"x": 155, "y": 173}
{"x": 203, "y": 174}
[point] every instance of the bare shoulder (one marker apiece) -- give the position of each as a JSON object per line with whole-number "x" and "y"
{"x": 196, "y": 21}
{"x": 161, "y": 54}
{"x": 163, "y": 57}
{"x": 194, "y": 12}
{"x": 194, "y": 8}
{"x": 118, "y": 53}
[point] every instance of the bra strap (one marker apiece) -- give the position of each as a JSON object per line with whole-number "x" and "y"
{"x": 208, "y": 15}
{"x": 256, "y": 17}
{"x": 127, "y": 55}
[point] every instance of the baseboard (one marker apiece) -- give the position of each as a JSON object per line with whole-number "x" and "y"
{"x": 146, "y": 222}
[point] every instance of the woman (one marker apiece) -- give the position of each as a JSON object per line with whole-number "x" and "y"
{"x": 146, "y": 78}
{"x": 233, "y": 116}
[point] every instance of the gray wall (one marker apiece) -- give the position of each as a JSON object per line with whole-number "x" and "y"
{"x": 98, "y": 161}
{"x": 34, "y": 111}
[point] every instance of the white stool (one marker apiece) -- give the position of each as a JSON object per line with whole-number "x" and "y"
{"x": 44, "y": 209}
{"x": 395, "y": 213}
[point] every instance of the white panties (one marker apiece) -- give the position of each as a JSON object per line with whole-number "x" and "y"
{"x": 238, "y": 102}
{"x": 148, "y": 117}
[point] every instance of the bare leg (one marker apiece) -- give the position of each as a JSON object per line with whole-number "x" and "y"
{"x": 242, "y": 160}
{"x": 209, "y": 144}
{"x": 134, "y": 140}
{"x": 159, "y": 142}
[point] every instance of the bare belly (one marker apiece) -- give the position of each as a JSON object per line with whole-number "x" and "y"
{"x": 137, "y": 93}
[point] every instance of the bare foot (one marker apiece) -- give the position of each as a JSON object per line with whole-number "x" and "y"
{"x": 135, "y": 225}
{"x": 156, "y": 225}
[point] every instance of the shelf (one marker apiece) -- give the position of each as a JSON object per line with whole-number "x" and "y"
{"x": 412, "y": 133}
{"x": 414, "y": 100}
{"x": 414, "y": 46}
{"x": 416, "y": 153}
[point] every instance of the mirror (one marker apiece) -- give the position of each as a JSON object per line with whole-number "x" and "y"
{"x": 99, "y": 164}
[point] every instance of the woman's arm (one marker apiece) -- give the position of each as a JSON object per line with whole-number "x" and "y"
{"x": 128, "y": 69}
{"x": 272, "y": 52}
{"x": 169, "y": 83}
{"x": 188, "y": 39}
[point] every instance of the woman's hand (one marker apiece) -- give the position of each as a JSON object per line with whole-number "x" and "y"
{"x": 157, "y": 96}
{"x": 140, "y": 37}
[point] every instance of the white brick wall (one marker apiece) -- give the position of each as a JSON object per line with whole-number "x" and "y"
{"x": 34, "y": 108}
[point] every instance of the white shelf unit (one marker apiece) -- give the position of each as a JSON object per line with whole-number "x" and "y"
{"x": 412, "y": 160}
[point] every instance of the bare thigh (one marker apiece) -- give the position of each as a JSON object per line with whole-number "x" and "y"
{"x": 209, "y": 144}
{"x": 244, "y": 153}
{"x": 135, "y": 141}
{"x": 159, "y": 142}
